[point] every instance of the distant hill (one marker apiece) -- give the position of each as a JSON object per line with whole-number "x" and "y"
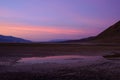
{"x": 81, "y": 40}
{"x": 11, "y": 39}
{"x": 110, "y": 35}
{"x": 57, "y": 40}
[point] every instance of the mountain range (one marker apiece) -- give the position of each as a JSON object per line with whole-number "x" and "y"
{"x": 109, "y": 35}
{"x": 11, "y": 39}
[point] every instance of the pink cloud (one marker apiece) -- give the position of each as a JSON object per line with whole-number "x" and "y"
{"x": 38, "y": 32}
{"x": 47, "y": 29}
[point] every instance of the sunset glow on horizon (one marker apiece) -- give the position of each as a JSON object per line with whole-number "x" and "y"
{"x": 44, "y": 20}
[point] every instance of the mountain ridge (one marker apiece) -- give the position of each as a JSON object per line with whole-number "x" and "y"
{"x": 11, "y": 39}
{"x": 109, "y": 35}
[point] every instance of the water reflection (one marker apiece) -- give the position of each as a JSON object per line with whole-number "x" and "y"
{"x": 55, "y": 59}
{"x": 6, "y": 61}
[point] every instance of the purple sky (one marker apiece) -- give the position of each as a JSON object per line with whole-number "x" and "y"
{"x": 44, "y": 20}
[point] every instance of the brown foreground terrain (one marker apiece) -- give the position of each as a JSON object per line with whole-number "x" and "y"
{"x": 91, "y": 69}
{"x": 46, "y": 49}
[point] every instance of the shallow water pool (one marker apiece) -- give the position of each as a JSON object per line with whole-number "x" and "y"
{"x": 57, "y": 59}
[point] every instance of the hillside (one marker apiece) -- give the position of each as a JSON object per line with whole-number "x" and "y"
{"x": 110, "y": 35}
{"x": 10, "y": 39}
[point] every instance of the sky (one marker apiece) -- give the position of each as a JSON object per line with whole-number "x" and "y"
{"x": 45, "y": 20}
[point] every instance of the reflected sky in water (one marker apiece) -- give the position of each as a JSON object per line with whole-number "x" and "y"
{"x": 57, "y": 59}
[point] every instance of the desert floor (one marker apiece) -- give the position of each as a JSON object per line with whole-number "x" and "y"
{"x": 92, "y": 66}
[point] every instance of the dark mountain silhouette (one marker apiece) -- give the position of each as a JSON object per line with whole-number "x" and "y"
{"x": 110, "y": 35}
{"x": 57, "y": 40}
{"x": 81, "y": 40}
{"x": 11, "y": 39}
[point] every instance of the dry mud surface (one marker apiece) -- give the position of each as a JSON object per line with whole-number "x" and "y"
{"x": 29, "y": 62}
{"x": 78, "y": 68}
